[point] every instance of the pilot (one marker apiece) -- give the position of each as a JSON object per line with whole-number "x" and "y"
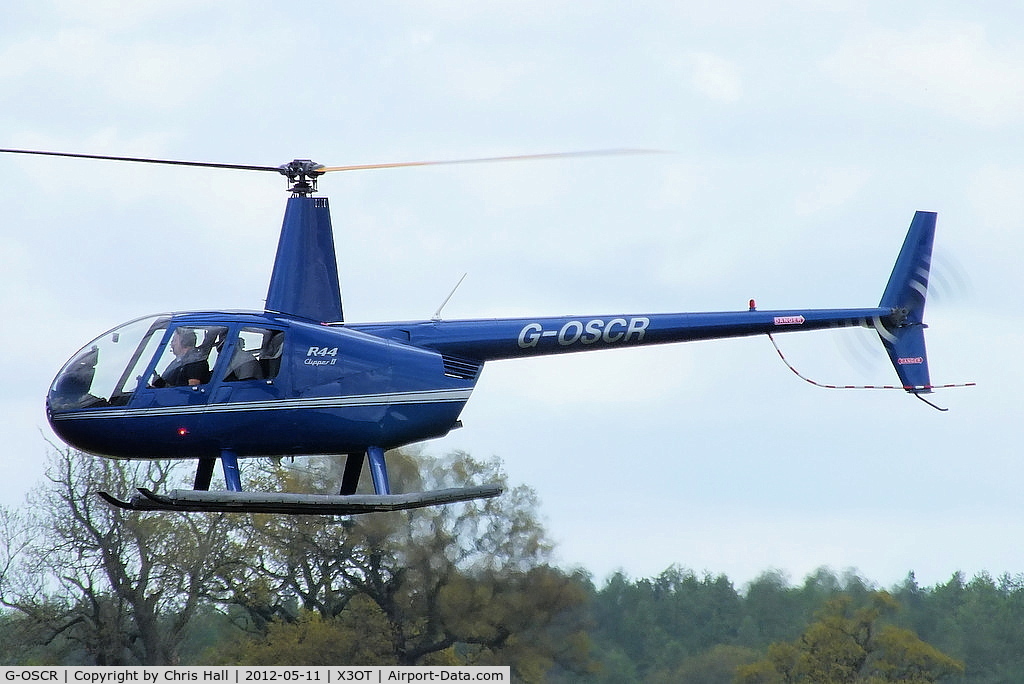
{"x": 189, "y": 366}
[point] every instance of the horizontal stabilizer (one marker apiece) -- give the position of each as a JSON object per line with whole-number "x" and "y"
{"x": 296, "y": 504}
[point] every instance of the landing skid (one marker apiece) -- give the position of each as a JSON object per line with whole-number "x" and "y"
{"x": 295, "y": 504}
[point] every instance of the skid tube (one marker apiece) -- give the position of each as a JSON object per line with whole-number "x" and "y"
{"x": 190, "y": 500}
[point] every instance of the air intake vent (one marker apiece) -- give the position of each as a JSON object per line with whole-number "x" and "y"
{"x": 463, "y": 369}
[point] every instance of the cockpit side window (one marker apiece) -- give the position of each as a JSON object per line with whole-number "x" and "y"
{"x": 133, "y": 374}
{"x": 189, "y": 356}
{"x": 256, "y": 355}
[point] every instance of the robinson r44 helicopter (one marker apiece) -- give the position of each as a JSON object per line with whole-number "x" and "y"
{"x": 297, "y": 379}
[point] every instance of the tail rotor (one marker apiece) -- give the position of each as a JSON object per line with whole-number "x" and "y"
{"x": 902, "y": 331}
{"x": 900, "y": 318}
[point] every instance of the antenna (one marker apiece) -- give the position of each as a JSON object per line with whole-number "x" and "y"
{"x": 437, "y": 314}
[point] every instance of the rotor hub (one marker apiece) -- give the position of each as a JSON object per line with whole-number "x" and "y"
{"x": 302, "y": 175}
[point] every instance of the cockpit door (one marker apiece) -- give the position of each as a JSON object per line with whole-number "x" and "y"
{"x": 251, "y": 363}
{"x": 181, "y": 371}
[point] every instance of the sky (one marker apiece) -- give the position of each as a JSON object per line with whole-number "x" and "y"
{"x": 798, "y": 139}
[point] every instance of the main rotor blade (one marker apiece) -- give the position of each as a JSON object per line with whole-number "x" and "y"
{"x": 481, "y": 160}
{"x": 146, "y": 160}
{"x": 303, "y": 172}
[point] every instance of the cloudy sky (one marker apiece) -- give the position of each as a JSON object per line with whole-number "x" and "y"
{"x": 801, "y": 136}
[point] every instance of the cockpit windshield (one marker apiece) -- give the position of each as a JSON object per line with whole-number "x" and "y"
{"x": 107, "y": 370}
{"x": 157, "y": 352}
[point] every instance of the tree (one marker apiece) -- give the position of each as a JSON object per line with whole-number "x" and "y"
{"x": 661, "y": 622}
{"x": 717, "y": 665}
{"x": 850, "y": 644}
{"x": 357, "y": 636}
{"x": 774, "y": 610}
{"x": 121, "y": 585}
{"x": 461, "y": 583}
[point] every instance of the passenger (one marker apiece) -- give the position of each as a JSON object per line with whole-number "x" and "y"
{"x": 244, "y": 365}
{"x": 189, "y": 366}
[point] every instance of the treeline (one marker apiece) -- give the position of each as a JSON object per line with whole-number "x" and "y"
{"x": 685, "y": 627}
{"x": 84, "y": 583}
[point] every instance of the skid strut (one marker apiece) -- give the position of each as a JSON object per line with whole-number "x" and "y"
{"x": 378, "y": 470}
{"x": 353, "y": 467}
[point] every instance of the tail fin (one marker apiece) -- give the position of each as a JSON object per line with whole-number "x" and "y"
{"x": 902, "y": 332}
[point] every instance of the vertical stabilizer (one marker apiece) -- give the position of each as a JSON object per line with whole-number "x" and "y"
{"x": 304, "y": 282}
{"x": 902, "y": 332}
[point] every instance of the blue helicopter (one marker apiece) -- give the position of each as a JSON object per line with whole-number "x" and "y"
{"x": 297, "y": 379}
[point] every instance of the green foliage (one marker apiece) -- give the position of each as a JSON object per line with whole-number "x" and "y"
{"x": 717, "y": 665}
{"x": 683, "y": 627}
{"x": 660, "y": 622}
{"x": 849, "y": 644}
{"x": 904, "y": 657}
{"x": 776, "y": 611}
{"x": 118, "y": 587}
{"x": 980, "y": 622}
{"x": 27, "y": 641}
{"x": 358, "y": 636}
{"x": 466, "y": 583}
{"x": 532, "y": 619}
